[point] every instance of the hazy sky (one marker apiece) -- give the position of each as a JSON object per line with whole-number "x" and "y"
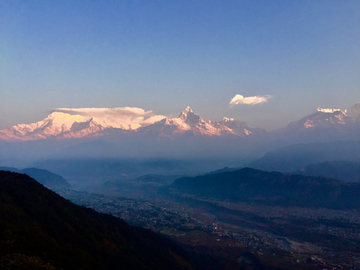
{"x": 166, "y": 55}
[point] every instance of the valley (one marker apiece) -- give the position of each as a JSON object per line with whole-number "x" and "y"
{"x": 283, "y": 237}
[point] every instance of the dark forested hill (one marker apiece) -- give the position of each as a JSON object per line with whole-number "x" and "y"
{"x": 270, "y": 188}
{"x": 41, "y": 230}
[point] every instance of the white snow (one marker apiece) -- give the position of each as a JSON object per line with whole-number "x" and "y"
{"x": 330, "y": 110}
{"x": 65, "y": 125}
{"x": 225, "y": 119}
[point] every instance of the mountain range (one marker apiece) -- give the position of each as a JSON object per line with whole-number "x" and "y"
{"x": 210, "y": 144}
{"x": 64, "y": 125}
{"x": 60, "y": 125}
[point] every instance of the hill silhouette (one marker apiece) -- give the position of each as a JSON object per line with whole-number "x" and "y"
{"x": 41, "y": 230}
{"x": 270, "y": 188}
{"x": 48, "y": 179}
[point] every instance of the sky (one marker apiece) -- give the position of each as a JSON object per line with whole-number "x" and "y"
{"x": 264, "y": 62}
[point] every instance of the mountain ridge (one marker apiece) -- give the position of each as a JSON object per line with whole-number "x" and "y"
{"x": 269, "y": 188}
{"x": 343, "y": 170}
{"x": 61, "y": 125}
{"x": 324, "y": 125}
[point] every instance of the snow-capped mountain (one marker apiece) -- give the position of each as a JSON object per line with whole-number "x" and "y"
{"x": 188, "y": 135}
{"x": 322, "y": 118}
{"x": 60, "y": 125}
{"x": 325, "y": 125}
{"x": 56, "y": 125}
{"x": 53, "y": 125}
{"x": 190, "y": 123}
{"x": 63, "y": 125}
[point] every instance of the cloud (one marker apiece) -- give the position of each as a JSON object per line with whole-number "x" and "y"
{"x": 121, "y": 117}
{"x": 239, "y": 99}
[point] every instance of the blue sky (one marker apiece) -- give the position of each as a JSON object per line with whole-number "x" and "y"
{"x": 166, "y": 55}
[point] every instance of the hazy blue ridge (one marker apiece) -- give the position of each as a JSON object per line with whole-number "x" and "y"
{"x": 346, "y": 171}
{"x": 270, "y": 188}
{"x": 48, "y": 179}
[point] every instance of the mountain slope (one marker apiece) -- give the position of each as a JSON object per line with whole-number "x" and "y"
{"x": 270, "y": 188}
{"x": 38, "y": 223}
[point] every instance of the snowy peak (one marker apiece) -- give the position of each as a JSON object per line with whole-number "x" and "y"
{"x": 323, "y": 118}
{"x": 55, "y": 125}
{"x": 190, "y": 118}
{"x": 186, "y": 111}
{"x": 239, "y": 128}
{"x": 60, "y": 122}
{"x": 190, "y": 123}
{"x": 199, "y": 125}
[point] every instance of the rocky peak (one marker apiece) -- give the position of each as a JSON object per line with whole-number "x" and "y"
{"x": 189, "y": 117}
{"x": 186, "y": 112}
